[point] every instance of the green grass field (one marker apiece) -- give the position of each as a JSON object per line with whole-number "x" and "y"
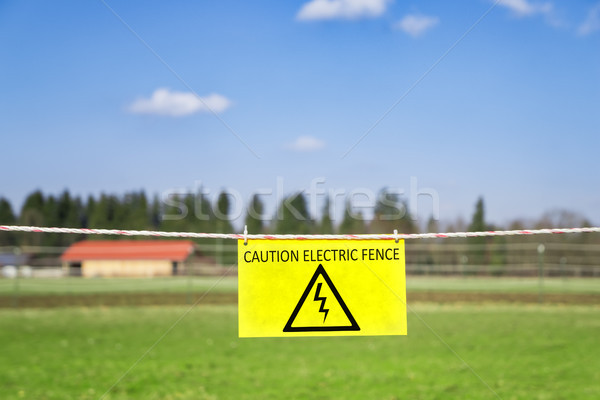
{"x": 503, "y": 284}
{"x": 118, "y": 285}
{"x": 520, "y": 351}
{"x": 229, "y": 284}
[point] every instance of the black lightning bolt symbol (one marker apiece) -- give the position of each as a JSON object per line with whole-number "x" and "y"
{"x": 322, "y": 300}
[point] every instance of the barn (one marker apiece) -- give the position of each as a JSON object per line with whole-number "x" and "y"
{"x": 127, "y": 258}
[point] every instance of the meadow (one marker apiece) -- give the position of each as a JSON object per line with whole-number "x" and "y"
{"x": 228, "y": 284}
{"x": 60, "y": 292}
{"x": 472, "y": 351}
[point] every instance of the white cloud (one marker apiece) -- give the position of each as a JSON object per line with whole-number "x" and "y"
{"x": 177, "y": 104}
{"x": 525, "y": 8}
{"x": 306, "y": 144}
{"x": 416, "y": 25}
{"x": 341, "y": 9}
{"x": 591, "y": 23}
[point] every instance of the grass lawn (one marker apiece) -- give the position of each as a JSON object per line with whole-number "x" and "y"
{"x": 520, "y": 351}
{"x": 229, "y": 284}
{"x": 503, "y": 284}
{"x": 118, "y": 285}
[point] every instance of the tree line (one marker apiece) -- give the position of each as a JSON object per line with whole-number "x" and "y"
{"x": 190, "y": 213}
{"x": 197, "y": 213}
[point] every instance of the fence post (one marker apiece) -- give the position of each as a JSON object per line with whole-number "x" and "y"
{"x": 188, "y": 297}
{"x": 563, "y": 270}
{"x": 541, "y": 249}
{"x": 463, "y": 262}
{"x": 15, "y": 297}
{"x": 219, "y": 246}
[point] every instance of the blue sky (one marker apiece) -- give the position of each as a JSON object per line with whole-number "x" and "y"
{"x": 500, "y": 100}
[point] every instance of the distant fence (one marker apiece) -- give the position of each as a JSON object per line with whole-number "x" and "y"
{"x": 507, "y": 259}
{"x": 525, "y": 259}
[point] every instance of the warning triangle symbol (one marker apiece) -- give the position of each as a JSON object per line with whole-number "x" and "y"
{"x": 321, "y": 308}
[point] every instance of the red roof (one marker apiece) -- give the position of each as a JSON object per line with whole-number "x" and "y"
{"x": 174, "y": 250}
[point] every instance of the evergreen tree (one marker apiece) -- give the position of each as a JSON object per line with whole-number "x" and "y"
{"x": 222, "y": 210}
{"x": 352, "y": 222}
{"x": 204, "y": 221}
{"x": 50, "y": 211}
{"x": 293, "y": 216}
{"x": 134, "y": 211}
{"x": 7, "y": 217}
{"x": 254, "y": 214}
{"x": 174, "y": 213}
{"x": 432, "y": 225}
{"x": 326, "y": 225}
{"x": 223, "y": 225}
{"x": 98, "y": 213}
{"x": 360, "y": 224}
{"x": 478, "y": 253}
{"x": 478, "y": 220}
{"x": 391, "y": 213}
{"x": 32, "y": 214}
{"x": 192, "y": 223}
{"x": 204, "y": 212}
{"x": 107, "y": 214}
{"x": 88, "y": 210}
{"x": 155, "y": 213}
{"x": 65, "y": 211}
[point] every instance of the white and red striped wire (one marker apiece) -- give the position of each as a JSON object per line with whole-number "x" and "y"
{"x": 246, "y": 236}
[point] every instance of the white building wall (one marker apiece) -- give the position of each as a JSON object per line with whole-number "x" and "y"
{"x": 126, "y": 268}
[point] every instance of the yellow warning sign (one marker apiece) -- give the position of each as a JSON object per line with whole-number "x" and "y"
{"x": 321, "y": 288}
